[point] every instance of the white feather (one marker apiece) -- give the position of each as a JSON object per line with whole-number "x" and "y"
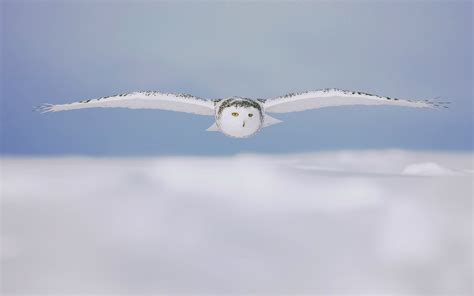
{"x": 213, "y": 128}
{"x": 334, "y": 98}
{"x": 268, "y": 121}
{"x": 141, "y": 100}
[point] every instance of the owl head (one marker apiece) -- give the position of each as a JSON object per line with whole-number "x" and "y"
{"x": 239, "y": 118}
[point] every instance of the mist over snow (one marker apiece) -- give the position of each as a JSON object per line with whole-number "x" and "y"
{"x": 392, "y": 222}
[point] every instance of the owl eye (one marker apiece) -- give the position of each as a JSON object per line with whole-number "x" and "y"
{"x": 235, "y": 114}
{"x": 250, "y": 114}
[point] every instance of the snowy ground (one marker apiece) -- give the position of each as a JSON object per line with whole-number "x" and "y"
{"x": 341, "y": 222}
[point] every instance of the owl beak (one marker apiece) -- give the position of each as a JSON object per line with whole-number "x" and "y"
{"x": 243, "y": 125}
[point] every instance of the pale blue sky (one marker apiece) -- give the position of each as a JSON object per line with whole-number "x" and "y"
{"x": 60, "y": 52}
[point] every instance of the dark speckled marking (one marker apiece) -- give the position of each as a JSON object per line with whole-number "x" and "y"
{"x": 148, "y": 94}
{"x": 326, "y": 90}
{"x": 239, "y": 102}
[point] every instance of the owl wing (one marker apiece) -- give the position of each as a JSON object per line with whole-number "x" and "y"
{"x": 335, "y": 97}
{"x": 141, "y": 100}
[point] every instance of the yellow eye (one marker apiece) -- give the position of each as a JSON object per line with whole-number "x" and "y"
{"x": 250, "y": 114}
{"x": 235, "y": 114}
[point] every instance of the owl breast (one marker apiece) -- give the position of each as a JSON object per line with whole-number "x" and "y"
{"x": 239, "y": 117}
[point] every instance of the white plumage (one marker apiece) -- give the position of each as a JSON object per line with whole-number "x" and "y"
{"x": 237, "y": 116}
{"x": 142, "y": 100}
{"x": 335, "y": 98}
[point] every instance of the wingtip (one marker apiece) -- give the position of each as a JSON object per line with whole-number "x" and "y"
{"x": 45, "y": 108}
{"x": 436, "y": 103}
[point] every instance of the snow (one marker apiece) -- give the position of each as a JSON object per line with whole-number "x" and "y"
{"x": 427, "y": 169}
{"x": 357, "y": 222}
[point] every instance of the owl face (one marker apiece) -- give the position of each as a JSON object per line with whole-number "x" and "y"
{"x": 240, "y": 120}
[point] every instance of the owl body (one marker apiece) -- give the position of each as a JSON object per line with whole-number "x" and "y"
{"x": 239, "y": 117}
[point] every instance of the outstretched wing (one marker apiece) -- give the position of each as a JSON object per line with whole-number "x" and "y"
{"x": 141, "y": 100}
{"x": 335, "y": 97}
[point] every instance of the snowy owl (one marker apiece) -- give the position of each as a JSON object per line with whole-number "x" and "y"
{"x": 237, "y": 116}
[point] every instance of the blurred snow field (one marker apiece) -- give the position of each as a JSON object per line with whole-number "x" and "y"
{"x": 355, "y": 222}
